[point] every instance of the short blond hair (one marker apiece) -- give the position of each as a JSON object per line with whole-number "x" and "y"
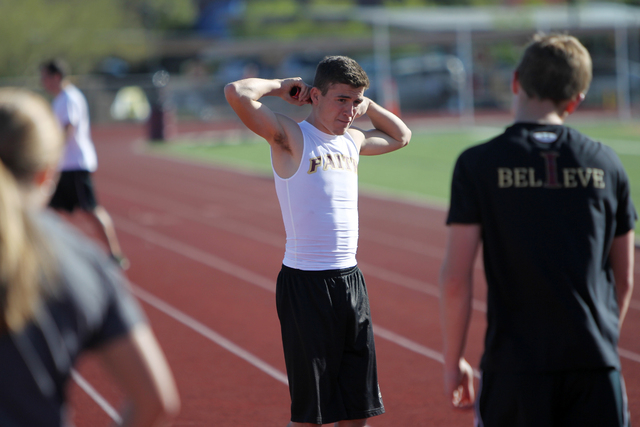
{"x": 556, "y": 67}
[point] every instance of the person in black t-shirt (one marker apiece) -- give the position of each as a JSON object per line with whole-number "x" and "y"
{"x": 60, "y": 296}
{"x": 553, "y": 211}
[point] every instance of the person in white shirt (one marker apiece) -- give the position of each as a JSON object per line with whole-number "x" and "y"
{"x": 79, "y": 160}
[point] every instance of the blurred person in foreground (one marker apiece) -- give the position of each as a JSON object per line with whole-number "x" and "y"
{"x": 59, "y": 294}
{"x": 321, "y": 296}
{"x": 553, "y": 211}
{"x": 75, "y": 187}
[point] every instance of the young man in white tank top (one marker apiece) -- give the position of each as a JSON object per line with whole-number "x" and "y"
{"x": 321, "y": 296}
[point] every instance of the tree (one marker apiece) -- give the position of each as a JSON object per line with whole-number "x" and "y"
{"x": 80, "y": 31}
{"x": 163, "y": 15}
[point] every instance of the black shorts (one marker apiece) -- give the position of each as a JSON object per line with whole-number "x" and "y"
{"x": 74, "y": 190}
{"x": 582, "y": 398}
{"x": 329, "y": 351}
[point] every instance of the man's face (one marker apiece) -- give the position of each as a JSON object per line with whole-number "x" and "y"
{"x": 337, "y": 109}
{"x": 50, "y": 82}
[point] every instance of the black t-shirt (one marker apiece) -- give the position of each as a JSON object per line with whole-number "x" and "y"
{"x": 549, "y": 201}
{"x": 91, "y": 306}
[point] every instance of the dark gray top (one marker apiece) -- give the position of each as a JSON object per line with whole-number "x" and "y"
{"x": 91, "y": 307}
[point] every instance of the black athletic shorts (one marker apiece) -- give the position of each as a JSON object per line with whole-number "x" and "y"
{"x": 329, "y": 351}
{"x": 581, "y": 398}
{"x": 74, "y": 190}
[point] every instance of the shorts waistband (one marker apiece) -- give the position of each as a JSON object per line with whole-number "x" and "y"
{"x": 321, "y": 273}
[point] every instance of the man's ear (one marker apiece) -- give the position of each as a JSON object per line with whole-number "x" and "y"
{"x": 314, "y": 94}
{"x": 515, "y": 84}
{"x": 574, "y": 103}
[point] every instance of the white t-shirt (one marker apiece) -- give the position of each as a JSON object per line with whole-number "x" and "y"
{"x": 319, "y": 203}
{"x": 70, "y": 107}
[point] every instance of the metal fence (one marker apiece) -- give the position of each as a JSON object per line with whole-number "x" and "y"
{"x": 423, "y": 81}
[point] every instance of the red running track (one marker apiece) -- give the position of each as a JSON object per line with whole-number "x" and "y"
{"x": 206, "y": 245}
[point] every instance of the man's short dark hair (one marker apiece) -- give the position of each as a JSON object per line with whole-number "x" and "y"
{"x": 55, "y": 66}
{"x": 339, "y": 69}
{"x": 555, "y": 67}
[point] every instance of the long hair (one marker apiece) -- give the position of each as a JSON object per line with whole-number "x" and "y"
{"x": 30, "y": 142}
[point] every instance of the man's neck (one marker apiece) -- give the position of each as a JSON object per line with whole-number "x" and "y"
{"x": 530, "y": 110}
{"x": 312, "y": 119}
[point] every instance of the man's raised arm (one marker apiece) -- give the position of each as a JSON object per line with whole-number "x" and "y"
{"x": 243, "y": 96}
{"x": 389, "y": 132}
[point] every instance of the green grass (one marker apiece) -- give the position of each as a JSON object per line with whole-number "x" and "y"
{"x": 420, "y": 171}
{"x": 423, "y": 169}
{"x": 252, "y": 155}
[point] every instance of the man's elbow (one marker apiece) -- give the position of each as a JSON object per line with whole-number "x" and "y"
{"x": 624, "y": 288}
{"x": 455, "y": 284}
{"x": 406, "y": 138}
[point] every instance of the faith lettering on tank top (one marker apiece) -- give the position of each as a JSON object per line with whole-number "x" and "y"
{"x": 319, "y": 203}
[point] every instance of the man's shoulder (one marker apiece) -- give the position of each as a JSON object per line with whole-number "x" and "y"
{"x": 67, "y": 239}
{"x": 83, "y": 266}
{"x": 73, "y": 94}
{"x": 68, "y": 95}
{"x": 591, "y": 149}
{"x": 61, "y": 98}
{"x": 580, "y": 138}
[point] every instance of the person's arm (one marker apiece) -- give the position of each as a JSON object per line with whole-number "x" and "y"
{"x": 139, "y": 367}
{"x": 389, "y": 132}
{"x": 456, "y": 292}
{"x": 282, "y": 133}
{"x": 243, "y": 96}
{"x": 621, "y": 256}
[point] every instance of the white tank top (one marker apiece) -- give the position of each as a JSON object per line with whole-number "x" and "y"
{"x": 319, "y": 203}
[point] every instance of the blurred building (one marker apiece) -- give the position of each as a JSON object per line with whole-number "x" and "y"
{"x": 440, "y": 60}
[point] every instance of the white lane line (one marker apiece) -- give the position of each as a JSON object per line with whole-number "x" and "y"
{"x": 413, "y": 284}
{"x": 97, "y": 397}
{"x": 198, "y": 327}
{"x": 629, "y": 355}
{"x": 215, "y": 262}
{"x": 247, "y": 275}
{"x": 411, "y": 345}
{"x": 412, "y": 245}
{"x": 195, "y": 254}
{"x": 206, "y": 332}
{"x": 275, "y": 240}
{"x": 247, "y": 230}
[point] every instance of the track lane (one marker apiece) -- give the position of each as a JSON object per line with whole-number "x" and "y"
{"x": 411, "y": 383}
